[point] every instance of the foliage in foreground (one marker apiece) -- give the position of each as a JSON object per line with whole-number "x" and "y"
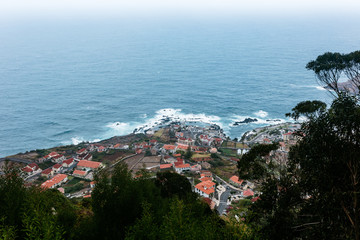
{"x": 121, "y": 208}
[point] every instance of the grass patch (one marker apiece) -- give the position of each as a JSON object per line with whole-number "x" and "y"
{"x": 159, "y": 133}
{"x": 77, "y": 187}
{"x": 73, "y": 181}
{"x": 46, "y": 165}
{"x": 228, "y": 152}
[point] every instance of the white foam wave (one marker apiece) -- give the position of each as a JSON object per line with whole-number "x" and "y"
{"x": 162, "y": 117}
{"x": 320, "y": 88}
{"x": 261, "y": 114}
{"x": 76, "y": 140}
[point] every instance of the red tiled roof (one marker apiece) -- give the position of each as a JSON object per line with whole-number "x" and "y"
{"x": 33, "y": 165}
{"x": 206, "y": 187}
{"x": 88, "y": 164}
{"x": 289, "y": 133}
{"x": 177, "y": 155}
{"x": 47, "y": 171}
{"x": 81, "y": 151}
{"x": 183, "y": 146}
{"x": 248, "y": 193}
{"x": 163, "y": 166}
{"x": 68, "y": 161}
{"x": 153, "y": 141}
{"x": 169, "y": 147}
{"x": 183, "y": 166}
{"x": 55, "y": 180}
{"x": 56, "y": 166}
{"x": 26, "y": 169}
{"x": 58, "y": 156}
{"x": 79, "y": 172}
{"x": 235, "y": 179}
{"x": 203, "y": 179}
{"x": 117, "y": 145}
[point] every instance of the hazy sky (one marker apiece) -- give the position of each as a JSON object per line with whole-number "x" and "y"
{"x": 58, "y": 8}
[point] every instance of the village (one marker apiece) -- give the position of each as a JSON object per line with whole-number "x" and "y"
{"x": 204, "y": 155}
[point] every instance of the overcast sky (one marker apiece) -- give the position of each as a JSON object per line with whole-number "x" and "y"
{"x": 26, "y": 8}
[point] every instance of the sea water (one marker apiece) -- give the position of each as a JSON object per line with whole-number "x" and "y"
{"x": 63, "y": 82}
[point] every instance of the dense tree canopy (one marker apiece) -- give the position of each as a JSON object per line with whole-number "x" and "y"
{"x": 317, "y": 195}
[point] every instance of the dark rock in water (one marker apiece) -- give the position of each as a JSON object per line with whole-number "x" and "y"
{"x": 246, "y": 120}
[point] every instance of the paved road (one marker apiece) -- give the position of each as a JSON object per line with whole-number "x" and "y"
{"x": 16, "y": 160}
{"x": 223, "y": 201}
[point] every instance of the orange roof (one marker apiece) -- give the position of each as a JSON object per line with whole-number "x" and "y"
{"x": 163, "y": 166}
{"x": 183, "y": 146}
{"x": 89, "y": 164}
{"x": 203, "y": 179}
{"x": 117, "y": 145}
{"x": 79, "y": 172}
{"x": 206, "y": 187}
{"x": 182, "y": 166}
{"x": 177, "y": 155}
{"x": 87, "y": 196}
{"x": 235, "y": 179}
{"x": 55, "y": 180}
{"x": 248, "y": 193}
{"x": 169, "y": 147}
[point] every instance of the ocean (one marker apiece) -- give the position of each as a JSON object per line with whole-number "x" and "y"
{"x": 67, "y": 81}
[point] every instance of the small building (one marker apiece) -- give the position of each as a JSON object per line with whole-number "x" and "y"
{"x": 81, "y": 151}
{"x": 166, "y": 167}
{"x": 88, "y": 165}
{"x": 47, "y": 173}
{"x": 58, "y": 158}
{"x": 195, "y": 168}
{"x": 182, "y": 168}
{"x": 68, "y": 162}
{"x": 51, "y": 155}
{"x": 79, "y": 173}
{"x": 57, "y": 168}
{"x": 248, "y": 193}
{"x": 55, "y": 181}
{"x": 234, "y": 180}
{"x": 101, "y": 149}
{"x": 186, "y": 141}
{"x": 169, "y": 148}
{"x": 205, "y": 189}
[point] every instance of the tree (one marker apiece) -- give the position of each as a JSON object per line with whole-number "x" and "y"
{"x": 253, "y": 165}
{"x": 329, "y": 68}
{"x": 309, "y": 109}
{"x": 173, "y": 184}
